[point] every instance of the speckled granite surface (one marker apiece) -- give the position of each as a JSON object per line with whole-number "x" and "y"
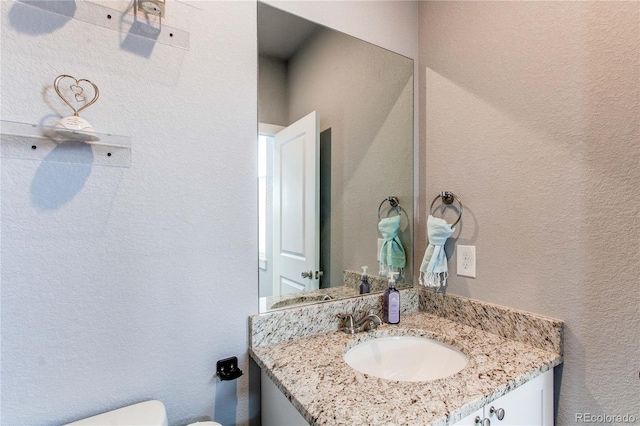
{"x": 349, "y": 289}
{"x": 533, "y": 329}
{"x": 311, "y": 372}
{"x": 377, "y": 283}
{"x": 287, "y": 324}
{"x": 301, "y": 350}
{"x": 308, "y": 297}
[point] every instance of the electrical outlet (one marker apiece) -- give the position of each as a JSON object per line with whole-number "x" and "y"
{"x": 466, "y": 259}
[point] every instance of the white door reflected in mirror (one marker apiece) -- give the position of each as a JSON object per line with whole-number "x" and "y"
{"x": 295, "y": 207}
{"x": 296, "y": 200}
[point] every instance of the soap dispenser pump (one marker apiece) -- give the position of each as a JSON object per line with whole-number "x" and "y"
{"x": 365, "y": 287}
{"x": 391, "y": 301}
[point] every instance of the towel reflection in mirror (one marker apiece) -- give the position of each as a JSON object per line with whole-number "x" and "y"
{"x": 392, "y": 255}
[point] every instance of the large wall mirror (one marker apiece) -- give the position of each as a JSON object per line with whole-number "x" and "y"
{"x": 335, "y": 141}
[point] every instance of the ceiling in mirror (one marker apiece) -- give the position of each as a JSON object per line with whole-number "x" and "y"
{"x": 281, "y": 34}
{"x": 360, "y": 97}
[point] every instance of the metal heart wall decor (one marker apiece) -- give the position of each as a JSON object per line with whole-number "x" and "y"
{"x": 76, "y": 92}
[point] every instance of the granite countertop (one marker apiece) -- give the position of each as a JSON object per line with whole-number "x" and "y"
{"x": 312, "y": 373}
{"x": 308, "y": 297}
{"x": 348, "y": 289}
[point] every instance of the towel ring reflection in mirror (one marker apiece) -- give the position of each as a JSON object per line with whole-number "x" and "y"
{"x": 447, "y": 198}
{"x": 393, "y": 201}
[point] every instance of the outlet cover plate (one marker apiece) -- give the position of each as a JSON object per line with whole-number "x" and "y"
{"x": 466, "y": 261}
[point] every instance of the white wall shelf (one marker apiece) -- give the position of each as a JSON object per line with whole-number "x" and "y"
{"x": 126, "y": 21}
{"x": 33, "y": 142}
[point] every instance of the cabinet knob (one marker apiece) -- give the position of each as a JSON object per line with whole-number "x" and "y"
{"x": 483, "y": 422}
{"x": 499, "y": 412}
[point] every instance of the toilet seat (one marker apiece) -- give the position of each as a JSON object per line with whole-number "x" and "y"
{"x": 148, "y": 413}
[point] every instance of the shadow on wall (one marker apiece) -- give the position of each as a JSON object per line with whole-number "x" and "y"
{"x": 226, "y": 402}
{"x": 21, "y": 16}
{"x": 574, "y": 372}
{"x": 140, "y": 39}
{"x": 56, "y": 183}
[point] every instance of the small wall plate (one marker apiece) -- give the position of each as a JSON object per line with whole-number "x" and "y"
{"x": 466, "y": 261}
{"x": 227, "y": 369}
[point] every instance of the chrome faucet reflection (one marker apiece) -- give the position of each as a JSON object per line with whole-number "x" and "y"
{"x": 368, "y": 321}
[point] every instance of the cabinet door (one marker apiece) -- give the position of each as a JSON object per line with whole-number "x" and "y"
{"x": 470, "y": 420}
{"x": 531, "y": 404}
{"x": 277, "y": 410}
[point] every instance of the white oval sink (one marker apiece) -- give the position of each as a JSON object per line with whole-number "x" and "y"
{"x": 406, "y": 358}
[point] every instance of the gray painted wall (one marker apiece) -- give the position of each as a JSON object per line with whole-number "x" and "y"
{"x": 531, "y": 115}
{"x": 273, "y": 106}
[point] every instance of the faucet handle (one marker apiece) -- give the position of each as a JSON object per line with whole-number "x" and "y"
{"x": 364, "y": 313}
{"x": 371, "y": 322}
{"x": 346, "y": 319}
{"x": 347, "y": 323}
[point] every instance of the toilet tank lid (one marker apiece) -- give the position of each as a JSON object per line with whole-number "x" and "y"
{"x": 148, "y": 413}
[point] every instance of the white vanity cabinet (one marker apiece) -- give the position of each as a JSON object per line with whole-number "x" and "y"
{"x": 530, "y": 404}
{"x": 276, "y": 409}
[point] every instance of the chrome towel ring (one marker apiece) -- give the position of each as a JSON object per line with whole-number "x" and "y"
{"x": 393, "y": 201}
{"x": 447, "y": 198}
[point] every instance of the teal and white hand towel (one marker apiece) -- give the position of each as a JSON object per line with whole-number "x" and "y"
{"x": 392, "y": 256}
{"x": 434, "y": 270}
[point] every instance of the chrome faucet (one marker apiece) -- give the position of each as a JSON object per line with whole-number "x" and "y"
{"x": 346, "y": 323}
{"x": 369, "y": 321}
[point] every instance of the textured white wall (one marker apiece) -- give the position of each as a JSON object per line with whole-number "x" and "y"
{"x": 533, "y": 118}
{"x": 120, "y": 285}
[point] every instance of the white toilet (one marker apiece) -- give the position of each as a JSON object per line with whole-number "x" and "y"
{"x": 148, "y": 413}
